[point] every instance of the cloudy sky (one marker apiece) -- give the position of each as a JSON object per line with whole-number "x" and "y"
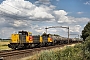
{"x": 36, "y": 15}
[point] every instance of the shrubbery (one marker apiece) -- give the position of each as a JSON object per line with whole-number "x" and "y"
{"x": 70, "y": 53}
{"x": 78, "y": 52}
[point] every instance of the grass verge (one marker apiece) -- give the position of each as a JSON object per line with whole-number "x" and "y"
{"x": 4, "y": 45}
{"x": 68, "y": 53}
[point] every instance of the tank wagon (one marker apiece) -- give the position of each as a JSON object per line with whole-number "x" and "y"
{"x": 25, "y": 39}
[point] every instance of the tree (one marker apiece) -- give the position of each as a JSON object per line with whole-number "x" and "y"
{"x": 86, "y": 31}
{"x": 87, "y": 43}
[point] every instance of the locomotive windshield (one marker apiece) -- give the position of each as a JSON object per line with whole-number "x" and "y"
{"x": 44, "y": 34}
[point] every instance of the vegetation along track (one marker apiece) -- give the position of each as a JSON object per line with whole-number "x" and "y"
{"x": 17, "y": 54}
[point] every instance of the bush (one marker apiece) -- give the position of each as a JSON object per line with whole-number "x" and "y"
{"x": 70, "y": 53}
{"x": 78, "y": 52}
{"x": 87, "y": 43}
{"x": 48, "y": 55}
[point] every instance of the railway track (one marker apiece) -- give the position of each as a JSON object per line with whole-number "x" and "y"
{"x": 3, "y": 51}
{"x": 16, "y": 54}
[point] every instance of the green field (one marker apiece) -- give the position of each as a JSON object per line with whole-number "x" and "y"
{"x": 4, "y": 45}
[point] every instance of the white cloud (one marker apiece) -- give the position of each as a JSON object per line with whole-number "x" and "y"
{"x": 61, "y": 12}
{"x": 79, "y": 20}
{"x": 18, "y": 23}
{"x": 62, "y": 17}
{"x": 15, "y": 0}
{"x": 2, "y": 20}
{"x": 40, "y": 31}
{"x": 57, "y": 0}
{"x": 23, "y": 15}
{"x": 75, "y": 28}
{"x": 6, "y": 32}
{"x": 52, "y": 30}
{"x": 80, "y": 12}
{"x": 87, "y": 3}
{"x": 45, "y": 1}
{"x": 27, "y": 9}
{"x": 40, "y": 12}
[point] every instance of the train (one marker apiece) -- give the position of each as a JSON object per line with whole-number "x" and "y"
{"x": 25, "y": 39}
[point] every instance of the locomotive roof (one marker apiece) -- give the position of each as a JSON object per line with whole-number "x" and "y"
{"x": 22, "y": 31}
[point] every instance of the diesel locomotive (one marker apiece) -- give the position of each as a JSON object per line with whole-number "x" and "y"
{"x": 25, "y": 39}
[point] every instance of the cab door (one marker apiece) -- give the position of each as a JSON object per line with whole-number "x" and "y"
{"x": 22, "y": 38}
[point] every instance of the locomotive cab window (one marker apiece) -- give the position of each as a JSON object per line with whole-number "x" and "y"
{"x": 30, "y": 34}
{"x": 23, "y": 33}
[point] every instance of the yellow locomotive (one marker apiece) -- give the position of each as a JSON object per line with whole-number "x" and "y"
{"x": 25, "y": 39}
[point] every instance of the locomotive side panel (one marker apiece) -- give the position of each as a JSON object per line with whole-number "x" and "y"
{"x": 36, "y": 39}
{"x": 14, "y": 38}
